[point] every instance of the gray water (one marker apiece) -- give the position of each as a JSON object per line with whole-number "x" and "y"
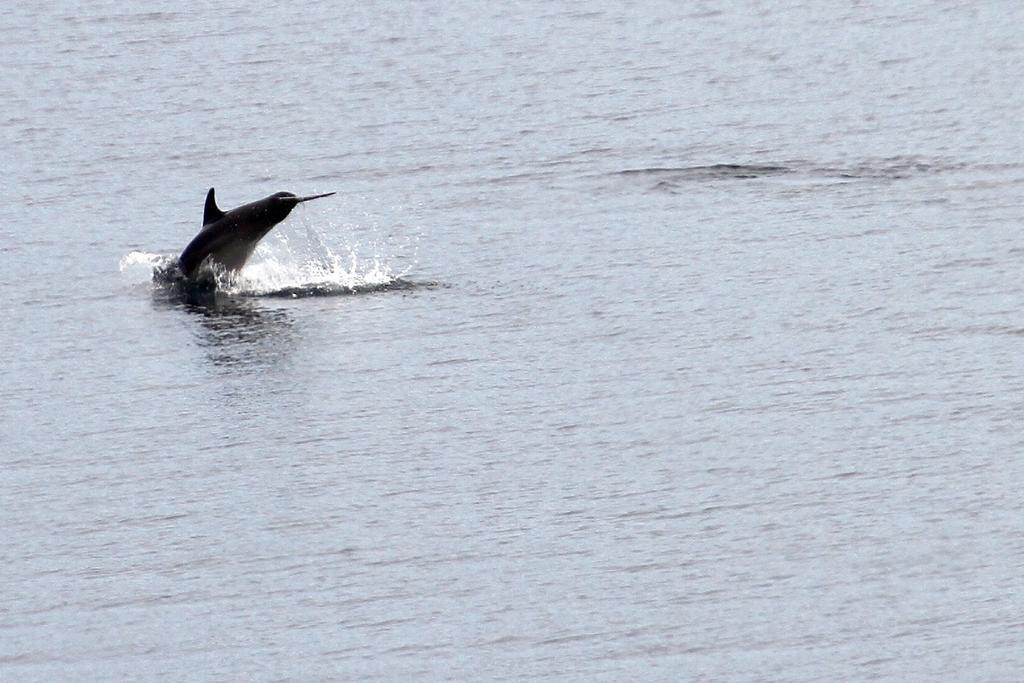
{"x": 657, "y": 341}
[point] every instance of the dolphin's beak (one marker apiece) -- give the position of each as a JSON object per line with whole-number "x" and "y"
{"x": 316, "y": 196}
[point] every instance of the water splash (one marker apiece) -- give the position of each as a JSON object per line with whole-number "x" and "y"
{"x": 140, "y": 258}
{"x": 144, "y": 263}
{"x": 301, "y": 261}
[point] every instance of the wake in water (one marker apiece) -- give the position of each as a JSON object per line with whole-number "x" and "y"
{"x": 295, "y": 263}
{"x": 674, "y": 179}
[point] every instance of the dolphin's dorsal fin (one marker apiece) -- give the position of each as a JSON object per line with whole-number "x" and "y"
{"x": 211, "y": 214}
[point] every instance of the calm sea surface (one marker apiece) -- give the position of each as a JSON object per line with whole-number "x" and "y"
{"x": 663, "y": 341}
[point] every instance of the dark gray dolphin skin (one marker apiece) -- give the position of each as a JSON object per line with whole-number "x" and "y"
{"x": 228, "y": 239}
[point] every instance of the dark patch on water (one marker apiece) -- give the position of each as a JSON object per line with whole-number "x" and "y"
{"x": 670, "y": 178}
{"x": 334, "y": 289}
{"x": 208, "y": 293}
{"x": 235, "y": 332}
{"x": 711, "y": 172}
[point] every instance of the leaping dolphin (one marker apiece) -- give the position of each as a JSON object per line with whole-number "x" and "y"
{"x": 228, "y": 239}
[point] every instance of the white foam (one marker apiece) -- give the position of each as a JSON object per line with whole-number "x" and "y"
{"x": 142, "y": 263}
{"x": 275, "y": 272}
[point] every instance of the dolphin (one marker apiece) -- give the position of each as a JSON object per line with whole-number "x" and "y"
{"x": 229, "y": 238}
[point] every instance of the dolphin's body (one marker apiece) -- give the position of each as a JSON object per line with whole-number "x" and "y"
{"x": 227, "y": 240}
